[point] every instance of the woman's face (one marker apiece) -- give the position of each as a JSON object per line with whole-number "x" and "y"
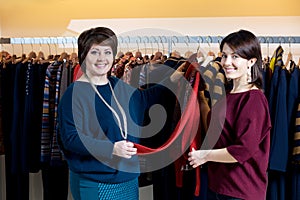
{"x": 99, "y": 60}
{"x": 235, "y": 67}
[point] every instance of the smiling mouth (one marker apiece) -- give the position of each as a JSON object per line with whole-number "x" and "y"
{"x": 229, "y": 70}
{"x": 100, "y": 65}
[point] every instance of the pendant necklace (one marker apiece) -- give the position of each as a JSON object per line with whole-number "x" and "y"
{"x": 124, "y": 135}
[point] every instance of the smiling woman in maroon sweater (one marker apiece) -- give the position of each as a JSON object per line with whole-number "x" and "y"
{"x": 240, "y": 126}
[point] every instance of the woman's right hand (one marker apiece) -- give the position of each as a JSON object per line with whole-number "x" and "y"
{"x": 198, "y": 157}
{"x": 124, "y": 149}
{"x": 179, "y": 72}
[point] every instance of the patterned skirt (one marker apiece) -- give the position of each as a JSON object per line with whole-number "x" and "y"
{"x": 119, "y": 191}
{"x": 86, "y": 189}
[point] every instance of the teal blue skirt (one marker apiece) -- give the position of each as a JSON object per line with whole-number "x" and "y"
{"x": 85, "y": 189}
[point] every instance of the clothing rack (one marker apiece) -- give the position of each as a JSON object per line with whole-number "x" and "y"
{"x": 169, "y": 41}
{"x": 145, "y": 39}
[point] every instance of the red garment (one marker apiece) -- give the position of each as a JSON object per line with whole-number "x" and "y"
{"x": 188, "y": 123}
{"x": 77, "y": 72}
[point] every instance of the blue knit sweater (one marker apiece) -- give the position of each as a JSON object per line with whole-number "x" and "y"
{"x": 88, "y": 129}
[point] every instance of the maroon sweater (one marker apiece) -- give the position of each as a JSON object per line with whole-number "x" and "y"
{"x": 245, "y": 131}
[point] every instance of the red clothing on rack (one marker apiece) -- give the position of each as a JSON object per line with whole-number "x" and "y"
{"x": 189, "y": 123}
{"x": 77, "y": 72}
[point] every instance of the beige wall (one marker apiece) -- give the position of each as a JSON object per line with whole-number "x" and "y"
{"x": 54, "y": 18}
{"x": 30, "y": 18}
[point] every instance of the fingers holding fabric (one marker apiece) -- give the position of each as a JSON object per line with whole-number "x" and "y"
{"x": 197, "y": 158}
{"x": 124, "y": 149}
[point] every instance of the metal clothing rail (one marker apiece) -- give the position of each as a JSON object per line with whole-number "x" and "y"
{"x": 146, "y": 39}
{"x": 169, "y": 41}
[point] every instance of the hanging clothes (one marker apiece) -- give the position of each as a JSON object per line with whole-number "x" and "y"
{"x": 12, "y": 158}
{"x": 282, "y": 90}
{"x": 296, "y": 143}
{"x": 65, "y": 82}
{"x": 33, "y": 111}
{"x": 214, "y": 78}
{"x": 280, "y": 139}
{"x": 50, "y": 100}
{"x": 150, "y": 74}
{"x": 292, "y": 97}
{"x": 278, "y": 111}
{"x": 293, "y": 171}
{"x": 22, "y": 125}
{"x": 77, "y": 72}
{"x": 185, "y": 126}
{"x": 181, "y": 164}
{"x": 53, "y": 165}
{"x": 267, "y": 76}
{"x": 295, "y": 192}
{"x": 1, "y": 103}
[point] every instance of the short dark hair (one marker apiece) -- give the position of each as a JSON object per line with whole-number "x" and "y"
{"x": 98, "y": 35}
{"x": 246, "y": 44}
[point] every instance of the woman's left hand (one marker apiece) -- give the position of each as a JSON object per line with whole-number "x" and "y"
{"x": 124, "y": 149}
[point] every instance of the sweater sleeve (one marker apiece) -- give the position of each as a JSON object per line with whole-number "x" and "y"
{"x": 252, "y": 125}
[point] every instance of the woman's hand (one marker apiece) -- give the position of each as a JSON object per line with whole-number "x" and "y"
{"x": 124, "y": 149}
{"x": 179, "y": 72}
{"x": 198, "y": 157}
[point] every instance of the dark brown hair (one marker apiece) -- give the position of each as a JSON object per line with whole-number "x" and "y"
{"x": 246, "y": 44}
{"x": 98, "y": 35}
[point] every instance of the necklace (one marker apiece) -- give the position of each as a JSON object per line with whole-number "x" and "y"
{"x": 124, "y": 135}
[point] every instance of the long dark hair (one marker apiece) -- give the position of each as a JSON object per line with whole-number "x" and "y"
{"x": 98, "y": 35}
{"x": 246, "y": 44}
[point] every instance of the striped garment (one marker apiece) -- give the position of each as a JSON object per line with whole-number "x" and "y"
{"x": 276, "y": 58}
{"x": 296, "y": 146}
{"x": 214, "y": 80}
{"x": 143, "y": 75}
{"x": 50, "y": 151}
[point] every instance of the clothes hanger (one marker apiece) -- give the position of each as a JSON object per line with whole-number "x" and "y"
{"x": 50, "y": 57}
{"x": 210, "y": 52}
{"x": 162, "y": 43}
{"x": 63, "y": 57}
{"x": 5, "y": 58}
{"x": 40, "y": 59}
{"x": 188, "y": 53}
{"x": 289, "y": 58}
{"x": 210, "y": 55}
{"x": 74, "y": 59}
{"x": 200, "y": 40}
{"x": 137, "y": 43}
{"x": 174, "y": 43}
{"x": 120, "y": 53}
{"x": 31, "y": 57}
{"x": 154, "y": 55}
{"x": 268, "y": 47}
{"x": 145, "y": 46}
